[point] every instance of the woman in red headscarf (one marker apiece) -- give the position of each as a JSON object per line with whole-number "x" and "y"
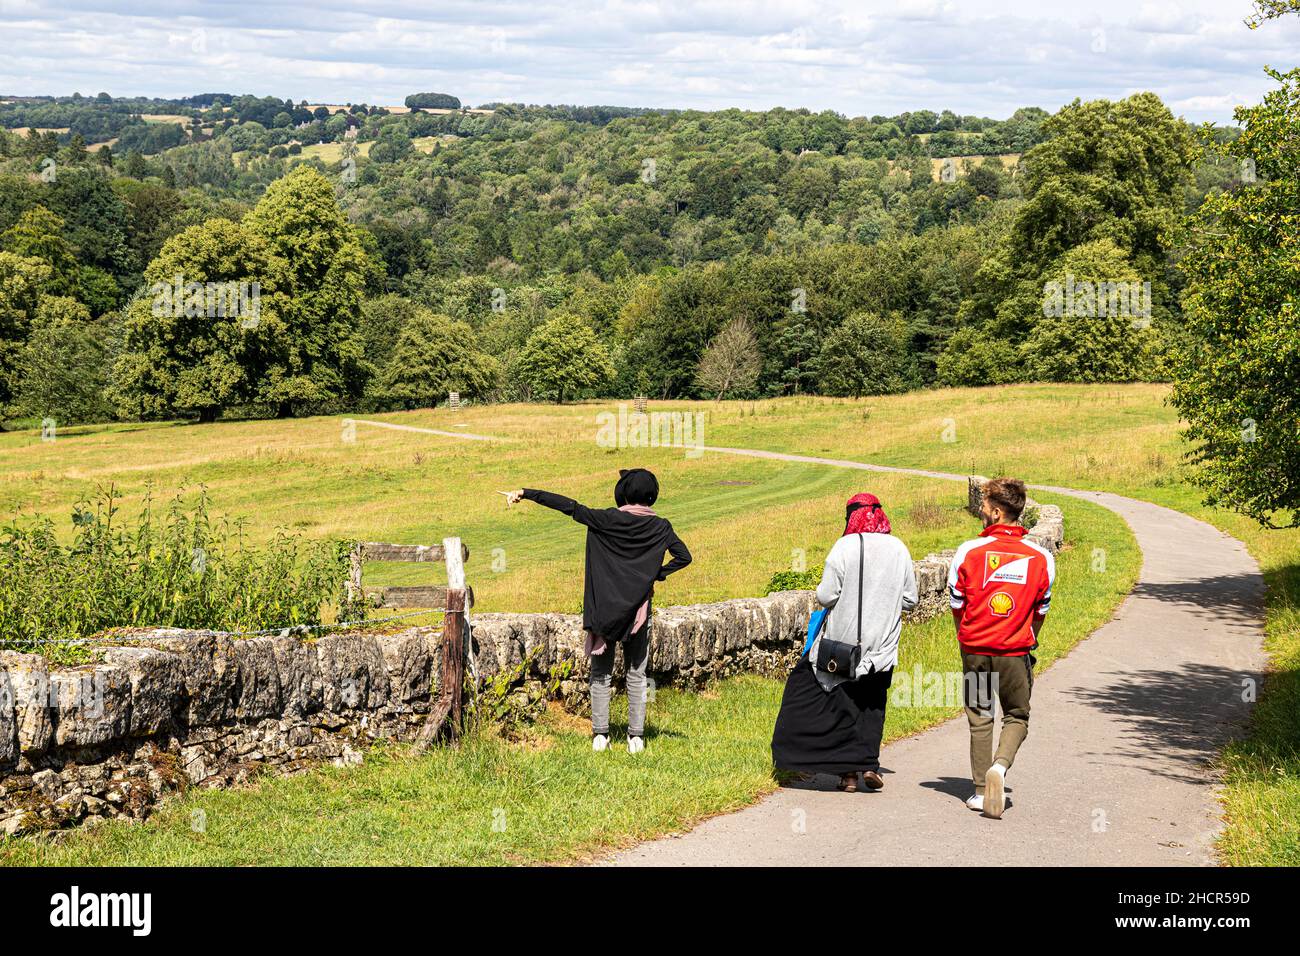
{"x": 833, "y": 710}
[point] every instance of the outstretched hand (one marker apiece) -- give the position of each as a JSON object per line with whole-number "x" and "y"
{"x": 513, "y": 497}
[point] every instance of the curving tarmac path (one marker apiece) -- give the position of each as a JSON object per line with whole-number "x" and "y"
{"x": 1116, "y": 767}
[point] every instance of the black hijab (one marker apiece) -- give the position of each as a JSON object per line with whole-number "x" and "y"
{"x": 636, "y": 486}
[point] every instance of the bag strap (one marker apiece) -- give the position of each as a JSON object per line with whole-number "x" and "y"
{"x": 862, "y": 563}
{"x": 862, "y": 560}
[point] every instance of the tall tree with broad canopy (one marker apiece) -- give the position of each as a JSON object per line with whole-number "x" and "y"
{"x": 564, "y": 359}
{"x": 867, "y": 355}
{"x": 319, "y": 357}
{"x": 1237, "y": 381}
{"x": 21, "y": 281}
{"x": 178, "y": 359}
{"x": 434, "y": 355}
{"x": 1090, "y": 333}
{"x": 1107, "y": 171}
{"x": 62, "y": 371}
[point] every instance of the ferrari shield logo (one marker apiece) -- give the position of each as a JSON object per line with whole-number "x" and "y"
{"x": 1006, "y": 567}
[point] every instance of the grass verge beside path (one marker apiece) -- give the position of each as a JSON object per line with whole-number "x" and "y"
{"x": 549, "y": 798}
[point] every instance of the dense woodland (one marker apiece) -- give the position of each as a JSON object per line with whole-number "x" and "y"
{"x": 556, "y": 252}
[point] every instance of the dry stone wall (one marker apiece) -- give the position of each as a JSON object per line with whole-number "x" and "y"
{"x": 170, "y": 709}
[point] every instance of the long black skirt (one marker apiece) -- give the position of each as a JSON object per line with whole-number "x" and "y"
{"x": 830, "y": 732}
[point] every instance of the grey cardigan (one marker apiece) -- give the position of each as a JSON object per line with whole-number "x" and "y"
{"x": 888, "y": 589}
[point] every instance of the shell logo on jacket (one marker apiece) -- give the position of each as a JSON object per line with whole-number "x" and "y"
{"x": 997, "y": 584}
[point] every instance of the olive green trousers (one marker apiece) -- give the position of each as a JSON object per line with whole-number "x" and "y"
{"x": 1009, "y": 681}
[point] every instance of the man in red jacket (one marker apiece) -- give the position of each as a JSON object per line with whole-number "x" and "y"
{"x": 1000, "y": 588}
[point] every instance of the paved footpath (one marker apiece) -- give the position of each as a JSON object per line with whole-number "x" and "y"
{"x": 1116, "y": 767}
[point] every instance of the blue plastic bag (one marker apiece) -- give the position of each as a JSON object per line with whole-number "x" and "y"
{"x": 816, "y": 621}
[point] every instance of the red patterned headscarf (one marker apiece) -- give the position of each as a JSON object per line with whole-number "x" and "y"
{"x": 864, "y": 513}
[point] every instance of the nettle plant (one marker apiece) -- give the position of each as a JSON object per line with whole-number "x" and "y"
{"x": 170, "y": 566}
{"x": 509, "y": 702}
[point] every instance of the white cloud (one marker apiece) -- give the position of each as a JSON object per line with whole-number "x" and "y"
{"x": 853, "y": 56}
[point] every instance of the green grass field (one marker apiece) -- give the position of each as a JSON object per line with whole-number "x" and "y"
{"x": 333, "y": 152}
{"x": 743, "y": 518}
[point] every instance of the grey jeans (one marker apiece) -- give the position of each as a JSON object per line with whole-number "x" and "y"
{"x": 636, "y": 653}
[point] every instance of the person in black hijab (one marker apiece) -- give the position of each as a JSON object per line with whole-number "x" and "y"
{"x": 625, "y": 553}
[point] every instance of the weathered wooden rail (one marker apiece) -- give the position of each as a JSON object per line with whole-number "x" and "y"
{"x": 432, "y": 596}
{"x": 454, "y": 599}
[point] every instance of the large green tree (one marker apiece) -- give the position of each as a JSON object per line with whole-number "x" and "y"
{"x": 434, "y": 355}
{"x": 1112, "y": 172}
{"x": 1237, "y": 381}
{"x": 668, "y": 322}
{"x": 1094, "y": 326}
{"x": 1107, "y": 170}
{"x": 62, "y": 371}
{"x": 22, "y": 280}
{"x": 181, "y": 358}
{"x": 318, "y": 357}
{"x": 38, "y": 234}
{"x": 867, "y": 355}
{"x": 564, "y": 359}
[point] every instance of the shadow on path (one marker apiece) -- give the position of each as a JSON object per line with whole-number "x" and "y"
{"x": 1185, "y": 713}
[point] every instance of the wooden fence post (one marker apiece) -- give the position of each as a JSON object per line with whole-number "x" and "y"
{"x": 445, "y": 714}
{"x": 354, "y": 574}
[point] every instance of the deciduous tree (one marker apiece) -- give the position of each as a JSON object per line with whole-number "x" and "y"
{"x": 732, "y": 361}
{"x": 564, "y": 359}
{"x": 434, "y": 355}
{"x": 1237, "y": 381}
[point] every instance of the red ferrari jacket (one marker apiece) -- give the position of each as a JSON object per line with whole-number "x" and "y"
{"x": 997, "y": 585}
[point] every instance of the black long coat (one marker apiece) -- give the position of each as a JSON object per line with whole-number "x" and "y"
{"x": 625, "y": 554}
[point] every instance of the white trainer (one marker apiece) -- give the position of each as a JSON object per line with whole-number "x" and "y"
{"x": 635, "y": 745}
{"x": 599, "y": 742}
{"x": 995, "y": 794}
{"x": 975, "y": 801}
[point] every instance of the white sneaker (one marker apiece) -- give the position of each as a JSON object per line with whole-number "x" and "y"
{"x": 635, "y": 745}
{"x": 599, "y": 742}
{"x": 975, "y": 801}
{"x": 995, "y": 795}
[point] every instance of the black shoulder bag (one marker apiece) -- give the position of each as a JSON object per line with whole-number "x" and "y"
{"x": 837, "y": 657}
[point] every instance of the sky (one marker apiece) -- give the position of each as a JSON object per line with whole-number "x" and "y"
{"x": 857, "y": 58}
